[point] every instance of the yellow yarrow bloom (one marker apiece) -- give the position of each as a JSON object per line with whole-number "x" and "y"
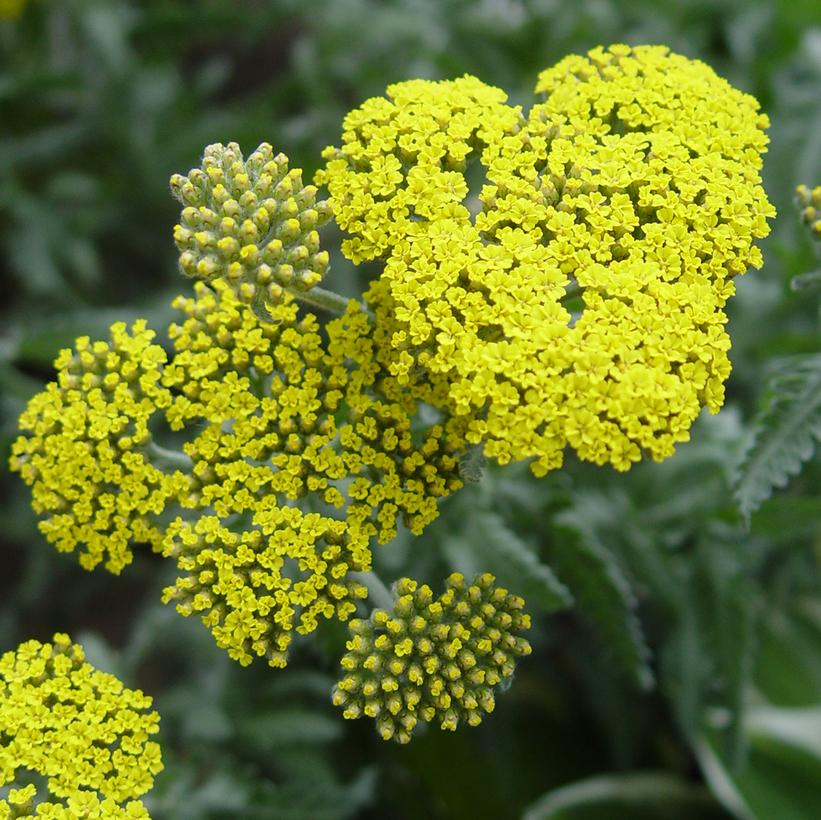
{"x": 281, "y": 415}
{"x": 271, "y": 415}
{"x": 78, "y": 728}
{"x": 577, "y": 297}
{"x": 84, "y": 453}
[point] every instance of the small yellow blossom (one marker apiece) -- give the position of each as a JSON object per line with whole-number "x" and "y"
{"x": 280, "y": 415}
{"x": 432, "y": 658}
{"x": 576, "y": 297}
{"x": 84, "y": 448}
{"x": 79, "y": 729}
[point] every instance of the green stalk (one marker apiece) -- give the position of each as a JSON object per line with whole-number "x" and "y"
{"x": 325, "y": 299}
{"x": 377, "y": 591}
{"x": 168, "y": 458}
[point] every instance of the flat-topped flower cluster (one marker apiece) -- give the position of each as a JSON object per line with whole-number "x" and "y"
{"x": 548, "y": 279}
{"x": 84, "y": 733}
{"x": 270, "y": 414}
{"x": 632, "y": 191}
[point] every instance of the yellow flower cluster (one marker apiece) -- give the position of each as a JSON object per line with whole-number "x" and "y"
{"x": 79, "y": 729}
{"x": 85, "y": 449}
{"x": 432, "y": 658}
{"x": 273, "y": 415}
{"x": 21, "y": 805}
{"x": 252, "y": 223}
{"x": 559, "y": 277}
{"x": 281, "y": 416}
{"x": 809, "y": 201}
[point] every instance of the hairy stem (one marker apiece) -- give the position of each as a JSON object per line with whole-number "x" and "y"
{"x": 377, "y": 591}
{"x": 168, "y": 458}
{"x": 325, "y": 299}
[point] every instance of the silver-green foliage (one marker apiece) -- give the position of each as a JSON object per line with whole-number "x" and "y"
{"x": 785, "y": 433}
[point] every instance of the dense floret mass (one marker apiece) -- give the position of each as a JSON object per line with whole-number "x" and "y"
{"x": 252, "y": 589}
{"x": 79, "y": 729}
{"x": 549, "y": 278}
{"x": 84, "y": 451}
{"x": 402, "y": 161}
{"x": 272, "y": 415}
{"x": 432, "y": 659}
{"x": 281, "y": 416}
{"x": 24, "y": 803}
{"x": 250, "y": 222}
{"x": 574, "y": 295}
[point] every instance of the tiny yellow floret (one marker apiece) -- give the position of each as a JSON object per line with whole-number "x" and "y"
{"x": 80, "y": 730}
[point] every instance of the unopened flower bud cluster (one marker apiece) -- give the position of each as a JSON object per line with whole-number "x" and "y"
{"x": 432, "y": 659}
{"x": 251, "y": 222}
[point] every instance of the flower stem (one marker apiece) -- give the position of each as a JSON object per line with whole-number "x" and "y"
{"x": 168, "y": 458}
{"x": 325, "y": 299}
{"x": 377, "y": 591}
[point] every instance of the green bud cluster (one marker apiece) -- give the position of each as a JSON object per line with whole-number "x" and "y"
{"x": 251, "y": 222}
{"x": 809, "y": 201}
{"x": 432, "y": 659}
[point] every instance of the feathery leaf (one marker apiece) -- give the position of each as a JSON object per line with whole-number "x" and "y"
{"x": 603, "y": 593}
{"x": 786, "y": 431}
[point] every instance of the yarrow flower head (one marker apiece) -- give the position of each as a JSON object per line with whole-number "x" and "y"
{"x": 576, "y": 295}
{"x": 432, "y": 659}
{"x": 84, "y": 452}
{"x": 250, "y": 222}
{"x": 549, "y": 278}
{"x": 270, "y": 413}
{"x": 280, "y": 416}
{"x": 79, "y": 729}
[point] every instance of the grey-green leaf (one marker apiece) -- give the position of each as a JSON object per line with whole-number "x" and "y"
{"x": 785, "y": 434}
{"x": 604, "y": 595}
{"x": 488, "y": 544}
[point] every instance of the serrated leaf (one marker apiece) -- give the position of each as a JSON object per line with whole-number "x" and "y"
{"x": 729, "y": 616}
{"x": 788, "y": 669}
{"x": 788, "y": 518}
{"x": 785, "y": 434}
{"x": 597, "y": 582}
{"x": 487, "y": 544}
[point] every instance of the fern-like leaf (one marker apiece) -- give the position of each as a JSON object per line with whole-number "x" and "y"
{"x": 514, "y": 562}
{"x": 785, "y": 434}
{"x": 487, "y": 544}
{"x": 603, "y": 594}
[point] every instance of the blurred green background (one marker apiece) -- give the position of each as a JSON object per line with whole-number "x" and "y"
{"x": 686, "y": 680}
